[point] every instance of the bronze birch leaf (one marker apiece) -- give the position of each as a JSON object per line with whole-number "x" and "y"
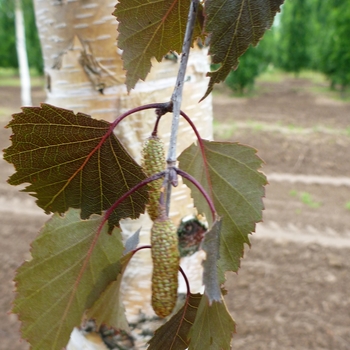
{"x": 213, "y": 327}
{"x": 173, "y": 335}
{"x": 237, "y": 188}
{"x": 211, "y": 245}
{"x": 150, "y": 29}
{"x": 233, "y": 25}
{"x": 72, "y": 263}
{"x": 68, "y": 163}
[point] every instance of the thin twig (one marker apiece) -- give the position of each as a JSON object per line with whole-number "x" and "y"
{"x": 202, "y": 149}
{"x": 201, "y": 189}
{"x": 161, "y": 108}
{"x": 144, "y": 182}
{"x": 176, "y": 97}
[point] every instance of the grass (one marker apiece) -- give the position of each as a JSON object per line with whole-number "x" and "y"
{"x": 224, "y": 131}
{"x": 271, "y": 75}
{"x": 255, "y": 126}
{"x": 320, "y": 81}
{"x": 343, "y": 96}
{"x": 319, "y": 85}
{"x": 274, "y": 75}
{"x": 10, "y": 77}
{"x": 305, "y": 198}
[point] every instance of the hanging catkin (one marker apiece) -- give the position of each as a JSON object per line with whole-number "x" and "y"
{"x": 153, "y": 162}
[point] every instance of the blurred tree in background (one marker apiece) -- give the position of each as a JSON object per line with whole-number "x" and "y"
{"x": 8, "y": 57}
{"x": 334, "y": 51}
{"x": 295, "y": 36}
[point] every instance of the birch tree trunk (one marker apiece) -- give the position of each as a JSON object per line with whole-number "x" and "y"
{"x": 84, "y": 73}
{"x": 26, "y": 99}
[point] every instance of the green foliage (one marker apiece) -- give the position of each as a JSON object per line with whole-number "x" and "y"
{"x": 237, "y": 188}
{"x": 295, "y": 36}
{"x": 73, "y": 161}
{"x": 8, "y": 57}
{"x": 72, "y": 263}
{"x": 33, "y": 46}
{"x": 335, "y": 54}
{"x": 213, "y": 327}
{"x": 316, "y": 34}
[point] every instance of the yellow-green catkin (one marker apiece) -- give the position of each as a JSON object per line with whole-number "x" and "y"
{"x": 153, "y": 161}
{"x": 165, "y": 257}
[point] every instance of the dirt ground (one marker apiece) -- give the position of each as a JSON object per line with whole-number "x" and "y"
{"x": 292, "y": 291}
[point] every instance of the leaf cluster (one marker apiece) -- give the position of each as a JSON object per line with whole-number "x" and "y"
{"x": 78, "y": 169}
{"x": 73, "y": 161}
{"x": 228, "y": 26}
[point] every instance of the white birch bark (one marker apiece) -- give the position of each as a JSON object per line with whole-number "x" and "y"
{"x": 26, "y": 99}
{"x": 80, "y": 56}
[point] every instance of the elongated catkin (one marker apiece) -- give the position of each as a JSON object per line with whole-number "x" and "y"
{"x": 153, "y": 162}
{"x": 165, "y": 256}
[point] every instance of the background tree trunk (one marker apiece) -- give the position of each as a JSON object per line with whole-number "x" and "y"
{"x": 84, "y": 73}
{"x": 26, "y": 99}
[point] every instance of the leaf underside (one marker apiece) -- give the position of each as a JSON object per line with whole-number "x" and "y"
{"x": 237, "y": 188}
{"x": 109, "y": 308}
{"x": 173, "y": 335}
{"x": 150, "y": 29}
{"x": 63, "y": 157}
{"x": 233, "y": 25}
{"x": 72, "y": 263}
{"x": 153, "y": 28}
{"x": 213, "y": 327}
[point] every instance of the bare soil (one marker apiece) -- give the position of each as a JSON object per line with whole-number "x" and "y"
{"x": 292, "y": 291}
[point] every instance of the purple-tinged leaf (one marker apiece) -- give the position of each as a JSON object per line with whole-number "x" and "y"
{"x": 233, "y": 25}
{"x": 73, "y": 160}
{"x": 150, "y": 29}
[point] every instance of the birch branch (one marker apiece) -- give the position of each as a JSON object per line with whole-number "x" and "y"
{"x": 176, "y": 97}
